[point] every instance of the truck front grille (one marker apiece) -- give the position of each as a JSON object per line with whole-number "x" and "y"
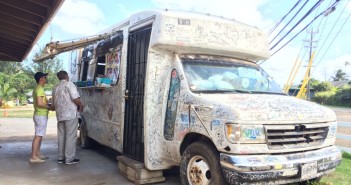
{"x": 295, "y": 136}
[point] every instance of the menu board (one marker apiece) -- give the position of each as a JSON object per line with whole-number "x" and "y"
{"x": 112, "y": 64}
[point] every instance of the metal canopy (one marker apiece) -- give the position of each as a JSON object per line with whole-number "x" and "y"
{"x": 21, "y": 24}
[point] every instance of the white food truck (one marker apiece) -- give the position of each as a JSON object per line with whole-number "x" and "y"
{"x": 167, "y": 88}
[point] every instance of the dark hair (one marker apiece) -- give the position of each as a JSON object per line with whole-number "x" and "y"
{"x": 62, "y": 75}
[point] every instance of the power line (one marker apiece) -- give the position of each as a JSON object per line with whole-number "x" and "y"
{"x": 281, "y": 20}
{"x": 288, "y": 22}
{"x": 327, "y": 10}
{"x": 296, "y": 34}
{"x": 335, "y": 35}
{"x": 314, "y": 7}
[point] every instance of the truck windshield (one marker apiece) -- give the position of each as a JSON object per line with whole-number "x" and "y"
{"x": 212, "y": 76}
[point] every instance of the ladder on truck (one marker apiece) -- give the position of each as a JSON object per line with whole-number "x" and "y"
{"x": 54, "y": 48}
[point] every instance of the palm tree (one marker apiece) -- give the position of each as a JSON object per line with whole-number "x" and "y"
{"x": 6, "y": 93}
{"x": 339, "y": 76}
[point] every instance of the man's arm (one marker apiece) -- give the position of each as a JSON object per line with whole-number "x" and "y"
{"x": 41, "y": 104}
{"x": 72, "y": 89}
{"x": 79, "y": 104}
{"x": 52, "y": 104}
{"x": 53, "y": 99}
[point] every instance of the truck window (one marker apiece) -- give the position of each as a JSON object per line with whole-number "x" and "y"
{"x": 172, "y": 104}
{"x": 100, "y": 66}
{"x": 87, "y": 55}
{"x": 211, "y": 75}
{"x": 108, "y": 54}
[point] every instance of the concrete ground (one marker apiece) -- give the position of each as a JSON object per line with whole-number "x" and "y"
{"x": 97, "y": 167}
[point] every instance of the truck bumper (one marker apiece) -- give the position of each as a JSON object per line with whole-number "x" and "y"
{"x": 279, "y": 169}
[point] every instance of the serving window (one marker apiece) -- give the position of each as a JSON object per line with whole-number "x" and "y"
{"x": 102, "y": 61}
{"x": 108, "y": 54}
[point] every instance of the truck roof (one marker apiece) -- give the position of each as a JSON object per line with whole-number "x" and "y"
{"x": 182, "y": 33}
{"x": 197, "y": 33}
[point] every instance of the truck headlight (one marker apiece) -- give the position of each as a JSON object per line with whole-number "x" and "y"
{"x": 232, "y": 132}
{"x": 332, "y": 130}
{"x": 253, "y": 134}
{"x": 237, "y": 133}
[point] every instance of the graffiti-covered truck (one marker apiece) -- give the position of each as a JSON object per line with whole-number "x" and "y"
{"x": 185, "y": 90}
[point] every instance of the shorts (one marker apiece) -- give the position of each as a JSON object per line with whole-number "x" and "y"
{"x": 40, "y": 123}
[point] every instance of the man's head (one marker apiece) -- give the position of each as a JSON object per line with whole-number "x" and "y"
{"x": 40, "y": 76}
{"x": 62, "y": 75}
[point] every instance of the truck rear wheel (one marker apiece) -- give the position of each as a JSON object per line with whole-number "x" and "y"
{"x": 200, "y": 165}
{"x": 85, "y": 141}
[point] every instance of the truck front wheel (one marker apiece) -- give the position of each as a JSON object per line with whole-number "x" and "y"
{"x": 200, "y": 165}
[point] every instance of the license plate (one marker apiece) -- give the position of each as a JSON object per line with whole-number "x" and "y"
{"x": 308, "y": 170}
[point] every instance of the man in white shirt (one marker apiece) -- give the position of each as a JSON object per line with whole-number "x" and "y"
{"x": 66, "y": 101}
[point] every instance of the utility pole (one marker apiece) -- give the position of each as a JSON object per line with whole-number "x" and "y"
{"x": 311, "y": 46}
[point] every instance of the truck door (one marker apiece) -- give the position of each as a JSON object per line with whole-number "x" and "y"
{"x": 133, "y": 141}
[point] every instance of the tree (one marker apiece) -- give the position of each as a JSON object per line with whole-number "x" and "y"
{"x": 6, "y": 93}
{"x": 51, "y": 66}
{"x": 20, "y": 81}
{"x": 8, "y": 67}
{"x": 339, "y": 76}
{"x": 314, "y": 83}
{"x": 21, "y": 75}
{"x": 323, "y": 86}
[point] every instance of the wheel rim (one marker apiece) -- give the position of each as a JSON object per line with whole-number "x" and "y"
{"x": 198, "y": 171}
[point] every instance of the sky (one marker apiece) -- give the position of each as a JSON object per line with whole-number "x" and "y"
{"x": 331, "y": 34}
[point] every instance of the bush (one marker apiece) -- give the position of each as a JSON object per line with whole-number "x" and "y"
{"x": 346, "y": 155}
{"x": 324, "y": 97}
{"x": 343, "y": 96}
{"x": 323, "y": 86}
{"x": 338, "y": 97}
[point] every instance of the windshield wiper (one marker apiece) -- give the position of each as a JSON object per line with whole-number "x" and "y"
{"x": 267, "y": 92}
{"x": 222, "y": 91}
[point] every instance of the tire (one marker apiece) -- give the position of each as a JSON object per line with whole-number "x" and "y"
{"x": 200, "y": 165}
{"x": 311, "y": 181}
{"x": 85, "y": 141}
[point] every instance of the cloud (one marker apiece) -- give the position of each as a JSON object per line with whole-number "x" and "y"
{"x": 79, "y": 17}
{"x": 242, "y": 11}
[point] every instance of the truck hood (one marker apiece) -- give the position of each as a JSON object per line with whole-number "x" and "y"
{"x": 272, "y": 109}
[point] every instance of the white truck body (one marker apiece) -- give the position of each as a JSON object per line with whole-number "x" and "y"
{"x": 180, "y": 90}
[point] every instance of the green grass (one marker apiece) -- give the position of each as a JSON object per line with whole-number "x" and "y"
{"x": 342, "y": 174}
{"x": 23, "y": 112}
